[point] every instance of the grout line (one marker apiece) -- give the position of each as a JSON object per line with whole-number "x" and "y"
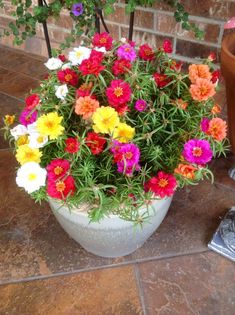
{"x": 90, "y": 269}
{"x": 12, "y": 96}
{"x": 140, "y": 288}
{"x": 21, "y": 73}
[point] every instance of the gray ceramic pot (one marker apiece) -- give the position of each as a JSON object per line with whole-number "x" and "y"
{"x": 112, "y": 237}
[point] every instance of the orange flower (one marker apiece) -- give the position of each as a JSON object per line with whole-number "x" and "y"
{"x": 181, "y": 104}
{"x": 86, "y": 106}
{"x": 199, "y": 71}
{"x": 202, "y": 90}
{"x": 217, "y": 129}
{"x": 216, "y": 109}
{"x": 186, "y": 170}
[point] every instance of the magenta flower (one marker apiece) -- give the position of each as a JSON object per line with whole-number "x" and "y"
{"x": 197, "y": 151}
{"x": 126, "y": 52}
{"x": 26, "y": 117}
{"x": 77, "y": 9}
{"x": 205, "y": 125}
{"x": 127, "y": 158}
{"x": 140, "y": 105}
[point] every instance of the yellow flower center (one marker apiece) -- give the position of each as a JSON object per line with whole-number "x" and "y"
{"x": 203, "y": 90}
{"x": 197, "y": 151}
{"x": 128, "y": 155}
{"x": 127, "y": 49}
{"x": 163, "y": 182}
{"x": 32, "y": 176}
{"x": 58, "y": 170}
{"x": 118, "y": 91}
{"x": 103, "y": 40}
{"x": 40, "y": 139}
{"x": 79, "y": 54}
{"x": 60, "y": 186}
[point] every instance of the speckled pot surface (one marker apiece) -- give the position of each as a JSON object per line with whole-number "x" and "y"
{"x": 112, "y": 236}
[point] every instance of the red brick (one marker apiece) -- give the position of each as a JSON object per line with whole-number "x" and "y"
{"x": 166, "y": 23}
{"x": 194, "y": 50}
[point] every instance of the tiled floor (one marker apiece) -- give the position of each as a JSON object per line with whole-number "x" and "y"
{"x": 43, "y": 271}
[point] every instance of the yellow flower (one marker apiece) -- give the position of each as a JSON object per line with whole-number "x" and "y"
{"x": 105, "y": 119}
{"x": 50, "y": 125}
{"x": 22, "y": 140}
{"x": 26, "y": 154}
{"x": 123, "y": 133}
{"x": 9, "y": 119}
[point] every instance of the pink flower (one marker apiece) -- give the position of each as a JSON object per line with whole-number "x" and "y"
{"x": 162, "y": 185}
{"x": 146, "y": 52}
{"x": 118, "y": 93}
{"x": 68, "y": 76}
{"x": 197, "y": 151}
{"x": 140, "y": 105}
{"x": 61, "y": 188}
{"x": 32, "y": 101}
{"x": 57, "y": 169}
{"x": 167, "y": 46}
{"x": 205, "y": 125}
{"x": 26, "y": 117}
{"x": 102, "y": 40}
{"x": 126, "y": 52}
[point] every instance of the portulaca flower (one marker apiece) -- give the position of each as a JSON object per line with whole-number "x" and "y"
{"x": 53, "y": 63}
{"x": 101, "y": 49}
{"x": 18, "y": 131}
{"x": 31, "y": 177}
{"x": 61, "y": 91}
{"x": 32, "y": 128}
{"x": 37, "y": 141}
{"x": 123, "y": 40}
{"x": 67, "y": 65}
{"x": 77, "y": 55}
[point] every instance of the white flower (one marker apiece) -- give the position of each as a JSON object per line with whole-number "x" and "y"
{"x": 53, "y": 63}
{"x": 31, "y": 177}
{"x": 61, "y": 91}
{"x": 123, "y": 40}
{"x": 67, "y": 65}
{"x": 79, "y": 54}
{"x": 37, "y": 141}
{"x": 32, "y": 127}
{"x": 101, "y": 49}
{"x": 19, "y": 130}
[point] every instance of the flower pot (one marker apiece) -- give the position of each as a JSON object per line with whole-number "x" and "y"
{"x": 228, "y": 71}
{"x": 112, "y": 236}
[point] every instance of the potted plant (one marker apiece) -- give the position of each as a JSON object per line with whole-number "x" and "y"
{"x": 109, "y": 136}
{"x": 228, "y": 72}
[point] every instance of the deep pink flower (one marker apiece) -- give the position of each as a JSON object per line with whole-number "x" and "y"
{"x": 121, "y": 66}
{"x": 103, "y": 40}
{"x": 205, "y": 124}
{"x": 161, "y": 79}
{"x": 215, "y": 76}
{"x": 62, "y": 58}
{"x": 126, "y": 52}
{"x": 167, "y": 46}
{"x": 92, "y": 65}
{"x": 140, "y": 105}
{"x": 197, "y": 151}
{"x": 119, "y": 92}
{"x": 162, "y": 185}
{"x": 95, "y": 142}
{"x": 68, "y": 76}
{"x": 72, "y": 145}
{"x": 57, "y": 169}
{"x": 61, "y": 188}
{"x": 32, "y": 101}
{"x": 26, "y": 117}
{"x": 146, "y": 52}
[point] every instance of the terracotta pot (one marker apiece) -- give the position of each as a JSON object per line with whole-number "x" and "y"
{"x": 228, "y": 72}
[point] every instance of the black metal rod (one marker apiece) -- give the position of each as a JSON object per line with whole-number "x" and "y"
{"x": 131, "y": 25}
{"x": 45, "y": 30}
{"x": 103, "y": 22}
{"x": 97, "y": 20}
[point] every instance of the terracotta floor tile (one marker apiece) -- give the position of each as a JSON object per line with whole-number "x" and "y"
{"x": 104, "y": 292}
{"x": 192, "y": 219}
{"x": 201, "y": 284}
{"x": 32, "y": 243}
{"x": 220, "y": 169}
{"x": 16, "y": 84}
{"x": 8, "y": 105}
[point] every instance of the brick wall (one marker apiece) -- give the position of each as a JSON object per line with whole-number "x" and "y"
{"x": 152, "y": 25}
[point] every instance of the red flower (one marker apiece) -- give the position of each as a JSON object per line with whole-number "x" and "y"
{"x": 146, "y": 52}
{"x": 177, "y": 66}
{"x": 161, "y": 79}
{"x": 95, "y": 142}
{"x": 61, "y": 188}
{"x": 215, "y": 76}
{"x": 68, "y": 76}
{"x": 103, "y": 40}
{"x": 72, "y": 145}
{"x": 32, "y": 101}
{"x": 161, "y": 185}
{"x": 62, "y": 58}
{"x": 121, "y": 109}
{"x": 118, "y": 93}
{"x": 212, "y": 56}
{"x": 167, "y": 46}
{"x": 84, "y": 90}
{"x": 57, "y": 169}
{"x": 121, "y": 66}
{"x": 92, "y": 65}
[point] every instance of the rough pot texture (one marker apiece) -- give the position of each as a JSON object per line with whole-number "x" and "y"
{"x": 228, "y": 71}
{"x": 112, "y": 236}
